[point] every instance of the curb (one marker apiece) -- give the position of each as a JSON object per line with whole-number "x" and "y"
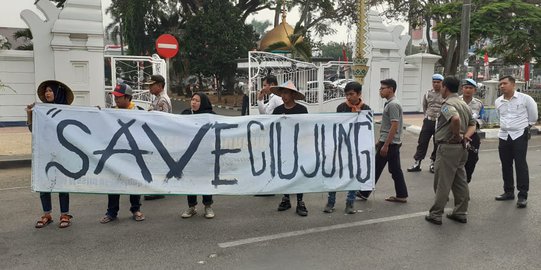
{"x": 484, "y": 133}
{"x": 19, "y": 161}
{"x": 215, "y": 106}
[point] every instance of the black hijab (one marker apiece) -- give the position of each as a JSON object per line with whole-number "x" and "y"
{"x": 206, "y": 106}
{"x": 59, "y": 93}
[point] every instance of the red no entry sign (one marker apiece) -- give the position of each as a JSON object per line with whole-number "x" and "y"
{"x": 167, "y": 46}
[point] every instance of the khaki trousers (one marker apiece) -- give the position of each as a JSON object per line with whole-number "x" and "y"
{"x": 450, "y": 175}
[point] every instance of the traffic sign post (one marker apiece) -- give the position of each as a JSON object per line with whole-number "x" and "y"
{"x": 167, "y": 47}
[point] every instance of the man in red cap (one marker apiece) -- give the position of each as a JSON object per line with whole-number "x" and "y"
{"x": 123, "y": 99}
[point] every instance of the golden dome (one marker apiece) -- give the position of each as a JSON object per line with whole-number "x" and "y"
{"x": 280, "y": 33}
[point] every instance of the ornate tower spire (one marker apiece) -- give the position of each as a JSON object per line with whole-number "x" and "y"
{"x": 360, "y": 62}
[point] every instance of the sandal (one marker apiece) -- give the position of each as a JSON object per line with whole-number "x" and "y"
{"x": 398, "y": 200}
{"x": 138, "y": 216}
{"x": 44, "y": 221}
{"x": 107, "y": 219}
{"x": 65, "y": 221}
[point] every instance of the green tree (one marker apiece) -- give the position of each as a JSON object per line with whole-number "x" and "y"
{"x": 260, "y": 27}
{"x": 334, "y": 50}
{"x": 136, "y": 20}
{"x": 513, "y": 27}
{"x": 214, "y": 42}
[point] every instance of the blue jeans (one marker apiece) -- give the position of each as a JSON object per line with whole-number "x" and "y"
{"x": 332, "y": 197}
{"x": 46, "y": 204}
{"x": 113, "y": 204}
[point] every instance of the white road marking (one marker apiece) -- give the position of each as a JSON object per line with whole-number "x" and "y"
{"x": 318, "y": 229}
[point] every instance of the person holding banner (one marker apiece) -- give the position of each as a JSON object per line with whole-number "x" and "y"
{"x": 161, "y": 103}
{"x": 353, "y": 103}
{"x": 267, "y": 108}
{"x": 388, "y": 146}
{"x": 123, "y": 99}
{"x": 274, "y": 100}
{"x": 57, "y": 93}
{"x": 289, "y": 93}
{"x": 200, "y": 103}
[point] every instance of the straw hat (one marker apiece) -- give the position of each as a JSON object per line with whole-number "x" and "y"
{"x": 290, "y": 86}
{"x": 42, "y": 86}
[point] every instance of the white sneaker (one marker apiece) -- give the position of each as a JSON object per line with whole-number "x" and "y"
{"x": 190, "y": 212}
{"x": 209, "y": 213}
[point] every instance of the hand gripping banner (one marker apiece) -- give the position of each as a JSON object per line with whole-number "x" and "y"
{"x": 88, "y": 150}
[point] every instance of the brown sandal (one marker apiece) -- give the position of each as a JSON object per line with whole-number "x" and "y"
{"x": 44, "y": 221}
{"x": 65, "y": 221}
{"x": 138, "y": 216}
{"x": 397, "y": 199}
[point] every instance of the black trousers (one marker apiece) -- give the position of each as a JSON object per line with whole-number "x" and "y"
{"x": 393, "y": 158}
{"x": 192, "y": 200}
{"x": 113, "y": 204}
{"x": 473, "y": 156}
{"x": 427, "y": 131}
{"x": 515, "y": 150}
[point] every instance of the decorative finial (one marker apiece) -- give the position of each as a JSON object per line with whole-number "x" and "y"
{"x": 284, "y": 10}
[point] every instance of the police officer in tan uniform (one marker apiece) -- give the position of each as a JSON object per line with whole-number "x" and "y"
{"x": 469, "y": 87}
{"x": 453, "y": 132}
{"x": 431, "y": 107}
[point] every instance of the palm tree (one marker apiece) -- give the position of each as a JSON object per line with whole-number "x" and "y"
{"x": 300, "y": 46}
{"x": 26, "y": 35}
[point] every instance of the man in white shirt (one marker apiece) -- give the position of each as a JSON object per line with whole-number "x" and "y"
{"x": 517, "y": 112}
{"x": 274, "y": 100}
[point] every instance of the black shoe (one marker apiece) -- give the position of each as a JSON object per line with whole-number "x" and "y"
{"x": 153, "y": 197}
{"x": 507, "y": 196}
{"x": 284, "y": 205}
{"x": 522, "y": 203}
{"x": 457, "y": 218}
{"x": 301, "y": 209}
{"x": 360, "y": 195}
{"x": 416, "y": 167}
{"x": 432, "y": 220}
{"x": 431, "y": 168}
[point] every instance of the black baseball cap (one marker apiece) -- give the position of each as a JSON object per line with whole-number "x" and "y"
{"x": 155, "y": 79}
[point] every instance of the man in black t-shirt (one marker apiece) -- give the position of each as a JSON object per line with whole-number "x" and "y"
{"x": 353, "y": 103}
{"x": 289, "y": 93}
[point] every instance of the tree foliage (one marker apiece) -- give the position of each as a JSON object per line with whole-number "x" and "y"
{"x": 507, "y": 27}
{"x": 334, "y": 50}
{"x": 214, "y": 42}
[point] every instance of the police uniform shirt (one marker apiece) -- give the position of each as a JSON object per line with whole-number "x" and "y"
{"x": 477, "y": 109}
{"x": 453, "y": 106}
{"x": 515, "y": 114}
{"x": 432, "y": 104}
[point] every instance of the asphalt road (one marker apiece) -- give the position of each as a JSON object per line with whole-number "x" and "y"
{"x": 248, "y": 232}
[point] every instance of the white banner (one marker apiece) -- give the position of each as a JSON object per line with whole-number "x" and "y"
{"x": 87, "y": 150}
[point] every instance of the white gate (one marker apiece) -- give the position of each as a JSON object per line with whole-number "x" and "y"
{"x": 132, "y": 70}
{"x": 321, "y": 95}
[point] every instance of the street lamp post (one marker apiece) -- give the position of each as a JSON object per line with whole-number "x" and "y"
{"x": 464, "y": 38}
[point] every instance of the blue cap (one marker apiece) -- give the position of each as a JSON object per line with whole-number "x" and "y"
{"x": 437, "y": 77}
{"x": 470, "y": 82}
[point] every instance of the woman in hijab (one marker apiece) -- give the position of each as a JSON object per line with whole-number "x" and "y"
{"x": 200, "y": 103}
{"x": 53, "y": 92}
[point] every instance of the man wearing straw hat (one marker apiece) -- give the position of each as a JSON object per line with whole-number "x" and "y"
{"x": 289, "y": 93}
